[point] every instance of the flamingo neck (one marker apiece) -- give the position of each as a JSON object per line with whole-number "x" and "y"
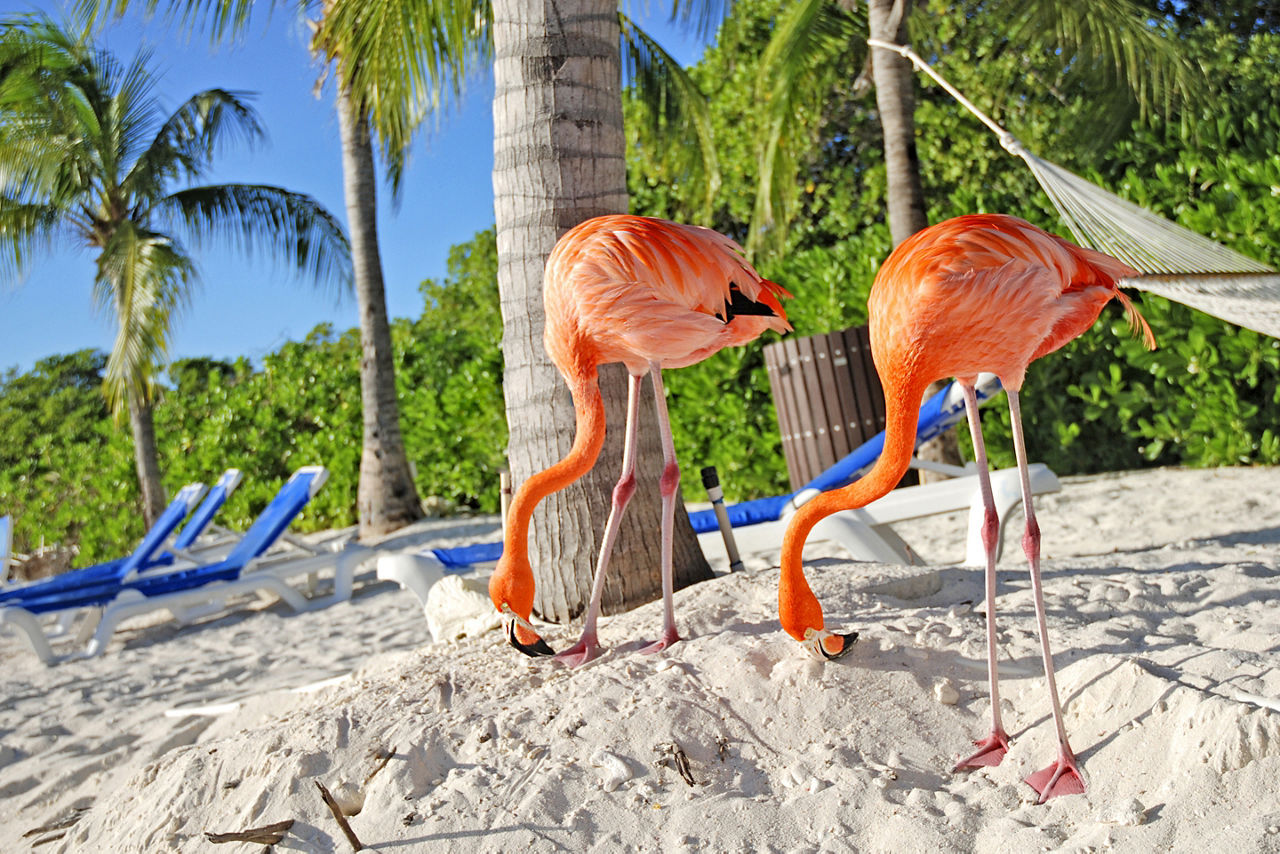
{"x": 512, "y": 582}
{"x": 798, "y": 607}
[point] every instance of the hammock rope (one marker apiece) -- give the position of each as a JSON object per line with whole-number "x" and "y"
{"x": 1176, "y": 263}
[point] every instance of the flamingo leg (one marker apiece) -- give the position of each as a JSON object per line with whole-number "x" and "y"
{"x": 588, "y": 646}
{"x": 1063, "y": 776}
{"x": 991, "y": 750}
{"x": 670, "y": 486}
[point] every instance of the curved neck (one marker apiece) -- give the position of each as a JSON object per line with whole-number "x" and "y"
{"x": 799, "y": 608}
{"x": 588, "y": 438}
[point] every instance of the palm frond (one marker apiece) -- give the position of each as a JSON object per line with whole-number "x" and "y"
{"x": 703, "y": 17}
{"x": 185, "y": 144}
{"x": 1118, "y": 42}
{"x": 142, "y": 279}
{"x": 222, "y": 18}
{"x": 403, "y": 61}
{"x": 796, "y": 67}
{"x": 252, "y": 217}
{"x": 677, "y": 109}
{"x": 26, "y": 230}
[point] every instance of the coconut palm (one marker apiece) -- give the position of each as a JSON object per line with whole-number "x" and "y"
{"x": 395, "y": 63}
{"x": 88, "y": 158}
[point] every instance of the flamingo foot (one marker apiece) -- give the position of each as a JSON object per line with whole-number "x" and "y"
{"x": 991, "y": 751}
{"x": 586, "y": 649}
{"x": 669, "y": 638}
{"x": 1061, "y": 778}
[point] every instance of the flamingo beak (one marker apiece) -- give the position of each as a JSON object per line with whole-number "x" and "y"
{"x": 534, "y": 648}
{"x": 829, "y": 645}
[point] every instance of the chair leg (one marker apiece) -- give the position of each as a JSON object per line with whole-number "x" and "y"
{"x": 25, "y": 622}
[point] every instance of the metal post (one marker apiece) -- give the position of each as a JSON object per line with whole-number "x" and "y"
{"x": 711, "y": 481}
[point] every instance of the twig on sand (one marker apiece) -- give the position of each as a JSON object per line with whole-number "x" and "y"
{"x": 57, "y": 824}
{"x": 382, "y": 759}
{"x": 267, "y": 835}
{"x": 54, "y": 838}
{"x": 339, "y": 817}
{"x": 672, "y": 752}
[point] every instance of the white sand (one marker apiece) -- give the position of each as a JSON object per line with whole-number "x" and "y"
{"x": 1163, "y": 593}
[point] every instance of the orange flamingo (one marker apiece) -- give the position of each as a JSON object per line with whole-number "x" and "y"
{"x": 650, "y": 294}
{"x": 975, "y": 293}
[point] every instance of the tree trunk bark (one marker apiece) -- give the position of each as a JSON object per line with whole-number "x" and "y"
{"x": 896, "y": 103}
{"x": 386, "y": 498}
{"x": 559, "y": 158}
{"x": 146, "y": 459}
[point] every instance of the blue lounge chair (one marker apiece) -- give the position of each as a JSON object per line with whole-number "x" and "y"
{"x": 191, "y": 592}
{"x": 114, "y": 571}
{"x": 150, "y": 553}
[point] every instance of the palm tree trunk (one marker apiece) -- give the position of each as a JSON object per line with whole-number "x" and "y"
{"x": 895, "y": 100}
{"x": 896, "y": 103}
{"x": 387, "y": 498}
{"x": 146, "y": 458}
{"x": 559, "y": 158}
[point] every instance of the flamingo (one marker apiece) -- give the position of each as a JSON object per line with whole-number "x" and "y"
{"x": 650, "y": 294}
{"x": 984, "y": 292}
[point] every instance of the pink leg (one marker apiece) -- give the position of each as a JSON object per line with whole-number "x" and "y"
{"x": 588, "y": 646}
{"x": 991, "y": 750}
{"x": 670, "y": 490}
{"x": 1063, "y": 776}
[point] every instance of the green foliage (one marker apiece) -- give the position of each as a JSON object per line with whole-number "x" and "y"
{"x": 1208, "y": 396}
{"x": 66, "y": 475}
{"x": 449, "y": 371}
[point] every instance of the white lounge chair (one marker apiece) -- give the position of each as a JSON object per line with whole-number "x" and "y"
{"x": 865, "y": 533}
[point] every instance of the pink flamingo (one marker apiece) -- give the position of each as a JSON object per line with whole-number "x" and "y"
{"x": 975, "y": 293}
{"x": 650, "y": 294}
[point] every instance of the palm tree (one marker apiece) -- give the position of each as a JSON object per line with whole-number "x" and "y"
{"x": 88, "y": 158}
{"x": 395, "y": 62}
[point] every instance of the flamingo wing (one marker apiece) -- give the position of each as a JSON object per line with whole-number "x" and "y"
{"x": 647, "y": 290}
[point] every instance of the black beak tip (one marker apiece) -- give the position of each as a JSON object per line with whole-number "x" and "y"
{"x": 849, "y": 640}
{"x": 533, "y": 650}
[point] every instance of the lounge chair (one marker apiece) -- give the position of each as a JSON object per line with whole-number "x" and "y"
{"x": 189, "y": 593}
{"x": 150, "y": 553}
{"x": 115, "y": 571}
{"x": 865, "y": 533}
{"x": 201, "y": 521}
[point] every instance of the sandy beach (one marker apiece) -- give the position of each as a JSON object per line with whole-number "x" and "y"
{"x": 1163, "y": 596}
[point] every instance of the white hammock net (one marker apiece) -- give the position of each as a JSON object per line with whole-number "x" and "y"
{"x": 1176, "y": 263}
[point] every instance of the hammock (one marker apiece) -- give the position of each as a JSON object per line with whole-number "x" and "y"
{"x": 1175, "y": 263}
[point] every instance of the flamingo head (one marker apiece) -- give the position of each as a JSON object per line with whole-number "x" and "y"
{"x": 829, "y": 645}
{"x": 511, "y": 591}
{"x": 798, "y": 609}
{"x": 520, "y": 633}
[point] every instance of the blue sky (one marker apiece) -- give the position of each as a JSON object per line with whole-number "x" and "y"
{"x": 251, "y": 307}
